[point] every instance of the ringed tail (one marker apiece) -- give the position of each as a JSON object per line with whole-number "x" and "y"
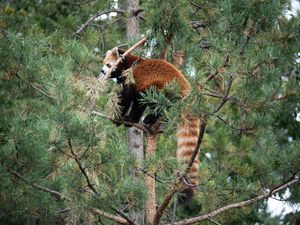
{"x": 187, "y": 137}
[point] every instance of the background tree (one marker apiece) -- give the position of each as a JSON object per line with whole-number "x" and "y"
{"x": 59, "y": 164}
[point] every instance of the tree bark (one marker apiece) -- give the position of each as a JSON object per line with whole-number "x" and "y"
{"x": 132, "y": 23}
{"x": 135, "y": 136}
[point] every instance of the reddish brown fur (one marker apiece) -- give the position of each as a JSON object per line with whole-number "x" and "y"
{"x": 187, "y": 137}
{"x": 152, "y": 72}
{"x": 156, "y": 72}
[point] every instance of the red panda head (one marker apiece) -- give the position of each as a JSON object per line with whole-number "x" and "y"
{"x": 109, "y": 60}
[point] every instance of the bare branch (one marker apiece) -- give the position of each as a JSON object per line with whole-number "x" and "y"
{"x": 114, "y": 218}
{"x": 92, "y": 18}
{"x": 56, "y": 194}
{"x": 251, "y": 201}
{"x": 140, "y": 42}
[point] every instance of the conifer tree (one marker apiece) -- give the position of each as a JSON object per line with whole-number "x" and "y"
{"x": 62, "y": 164}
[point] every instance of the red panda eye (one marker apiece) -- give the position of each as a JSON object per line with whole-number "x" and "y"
{"x": 108, "y": 65}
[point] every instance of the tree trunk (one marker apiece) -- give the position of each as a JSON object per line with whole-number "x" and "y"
{"x": 135, "y": 136}
{"x": 132, "y": 23}
{"x": 149, "y": 179}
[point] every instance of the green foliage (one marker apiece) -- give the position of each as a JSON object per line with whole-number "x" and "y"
{"x": 48, "y": 88}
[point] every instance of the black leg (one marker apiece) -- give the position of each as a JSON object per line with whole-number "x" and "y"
{"x": 136, "y": 111}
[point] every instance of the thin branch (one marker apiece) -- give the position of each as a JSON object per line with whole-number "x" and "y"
{"x": 213, "y": 221}
{"x": 227, "y": 123}
{"x": 156, "y": 177}
{"x": 170, "y": 195}
{"x": 225, "y": 97}
{"x": 92, "y": 18}
{"x": 164, "y": 205}
{"x": 174, "y": 211}
{"x": 128, "y": 220}
{"x": 121, "y": 220}
{"x": 194, "y": 4}
{"x": 251, "y": 201}
{"x": 80, "y": 3}
{"x": 82, "y": 169}
{"x": 199, "y": 142}
{"x": 114, "y": 218}
{"x": 114, "y": 66}
{"x": 212, "y": 95}
{"x": 56, "y": 194}
{"x": 33, "y": 86}
{"x": 197, "y": 24}
{"x": 211, "y": 76}
{"x": 137, "y": 125}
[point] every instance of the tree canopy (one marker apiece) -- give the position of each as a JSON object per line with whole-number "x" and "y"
{"x": 62, "y": 164}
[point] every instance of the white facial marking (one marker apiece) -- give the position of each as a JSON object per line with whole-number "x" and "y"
{"x": 106, "y": 67}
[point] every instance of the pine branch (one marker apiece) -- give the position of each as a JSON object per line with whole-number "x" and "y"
{"x": 54, "y": 193}
{"x": 121, "y": 220}
{"x": 137, "y": 125}
{"x": 33, "y": 86}
{"x": 248, "y": 202}
{"x": 211, "y": 76}
{"x": 92, "y": 18}
{"x": 225, "y": 97}
{"x": 114, "y": 66}
{"x": 82, "y": 169}
{"x": 228, "y": 124}
{"x": 170, "y": 195}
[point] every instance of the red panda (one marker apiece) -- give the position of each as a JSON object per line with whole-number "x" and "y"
{"x": 154, "y": 73}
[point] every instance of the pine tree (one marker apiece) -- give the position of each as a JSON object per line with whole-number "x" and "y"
{"x": 61, "y": 164}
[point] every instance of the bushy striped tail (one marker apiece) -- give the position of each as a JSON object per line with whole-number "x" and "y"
{"x": 187, "y": 136}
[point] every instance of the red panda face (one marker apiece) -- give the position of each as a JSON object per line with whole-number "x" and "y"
{"x": 109, "y": 60}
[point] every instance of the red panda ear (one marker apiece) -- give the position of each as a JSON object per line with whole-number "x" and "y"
{"x": 115, "y": 51}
